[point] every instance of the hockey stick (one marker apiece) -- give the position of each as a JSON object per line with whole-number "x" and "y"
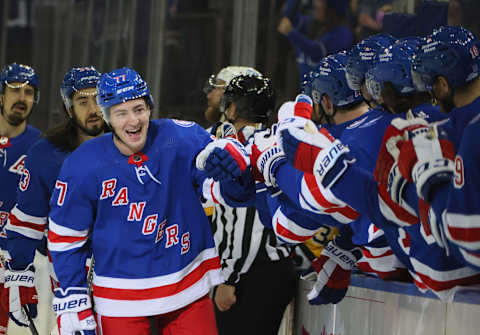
{"x": 31, "y": 324}
{"x": 89, "y": 284}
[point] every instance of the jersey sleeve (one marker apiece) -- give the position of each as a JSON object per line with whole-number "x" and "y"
{"x": 456, "y": 206}
{"x": 72, "y": 215}
{"x": 304, "y": 192}
{"x": 28, "y": 219}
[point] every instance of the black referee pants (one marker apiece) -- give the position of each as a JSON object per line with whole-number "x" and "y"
{"x": 262, "y": 294}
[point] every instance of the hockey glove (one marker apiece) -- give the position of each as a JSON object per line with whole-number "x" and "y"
{"x": 334, "y": 267}
{"x": 20, "y": 291}
{"x": 223, "y": 130}
{"x": 223, "y": 159}
{"x": 74, "y": 311}
{"x": 301, "y": 107}
{"x": 316, "y": 152}
{"x": 387, "y": 172}
{"x": 427, "y": 159}
{"x": 266, "y": 157}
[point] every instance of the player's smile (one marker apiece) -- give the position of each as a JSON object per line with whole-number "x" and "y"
{"x": 129, "y": 121}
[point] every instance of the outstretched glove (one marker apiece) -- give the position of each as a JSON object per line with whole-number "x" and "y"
{"x": 20, "y": 292}
{"x": 333, "y": 268}
{"x": 74, "y": 311}
{"x": 223, "y": 159}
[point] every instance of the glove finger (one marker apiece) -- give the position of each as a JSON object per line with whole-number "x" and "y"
{"x": 19, "y": 318}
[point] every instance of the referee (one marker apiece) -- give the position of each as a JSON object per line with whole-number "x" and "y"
{"x": 260, "y": 279}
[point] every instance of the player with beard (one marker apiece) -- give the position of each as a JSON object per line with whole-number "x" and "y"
{"x": 135, "y": 196}
{"x": 19, "y": 92}
{"x": 28, "y": 219}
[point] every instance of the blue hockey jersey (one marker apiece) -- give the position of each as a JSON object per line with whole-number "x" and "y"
{"x": 454, "y": 209}
{"x": 153, "y": 246}
{"x": 28, "y": 219}
{"x": 13, "y": 152}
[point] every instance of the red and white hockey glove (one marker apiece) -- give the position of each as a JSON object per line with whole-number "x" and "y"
{"x": 20, "y": 292}
{"x": 223, "y": 159}
{"x": 266, "y": 157}
{"x": 387, "y": 172}
{"x": 74, "y": 311}
{"x": 315, "y": 152}
{"x": 334, "y": 268}
{"x": 300, "y": 108}
{"x": 426, "y": 158}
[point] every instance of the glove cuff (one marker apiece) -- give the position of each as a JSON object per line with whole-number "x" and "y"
{"x": 346, "y": 259}
{"x": 73, "y": 301}
{"x": 15, "y": 278}
{"x": 331, "y": 163}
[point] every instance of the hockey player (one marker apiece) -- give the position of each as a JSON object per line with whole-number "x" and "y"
{"x": 19, "y": 93}
{"x": 250, "y": 254}
{"x": 348, "y": 109}
{"x": 135, "y": 195}
{"x": 447, "y": 65}
{"x": 215, "y": 86}
{"x": 360, "y": 59}
{"x": 28, "y": 219}
{"x": 334, "y": 175}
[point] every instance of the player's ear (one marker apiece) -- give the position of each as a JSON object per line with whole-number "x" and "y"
{"x": 327, "y": 104}
{"x": 441, "y": 87}
{"x": 69, "y": 112}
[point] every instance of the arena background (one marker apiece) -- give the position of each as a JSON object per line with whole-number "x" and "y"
{"x": 176, "y": 45}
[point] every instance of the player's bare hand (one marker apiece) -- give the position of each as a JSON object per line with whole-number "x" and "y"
{"x": 285, "y": 26}
{"x": 225, "y": 297}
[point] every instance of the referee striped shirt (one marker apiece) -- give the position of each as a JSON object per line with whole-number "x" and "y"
{"x": 242, "y": 239}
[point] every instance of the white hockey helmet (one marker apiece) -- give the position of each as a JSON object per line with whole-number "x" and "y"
{"x": 223, "y": 78}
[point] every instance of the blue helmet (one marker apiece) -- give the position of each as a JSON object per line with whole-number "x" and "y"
{"x": 306, "y": 83}
{"x": 329, "y": 78}
{"x": 22, "y": 74}
{"x": 452, "y": 52}
{"x": 119, "y": 86}
{"x": 78, "y": 78}
{"x": 362, "y": 56}
{"x": 393, "y": 65}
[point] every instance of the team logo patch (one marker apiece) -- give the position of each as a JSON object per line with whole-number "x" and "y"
{"x": 4, "y": 142}
{"x": 183, "y": 123}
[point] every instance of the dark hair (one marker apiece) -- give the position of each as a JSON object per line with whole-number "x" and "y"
{"x": 401, "y": 103}
{"x": 64, "y": 136}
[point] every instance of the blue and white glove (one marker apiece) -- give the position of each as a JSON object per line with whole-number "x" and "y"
{"x": 334, "y": 268}
{"x": 20, "y": 291}
{"x": 223, "y": 160}
{"x": 74, "y": 311}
